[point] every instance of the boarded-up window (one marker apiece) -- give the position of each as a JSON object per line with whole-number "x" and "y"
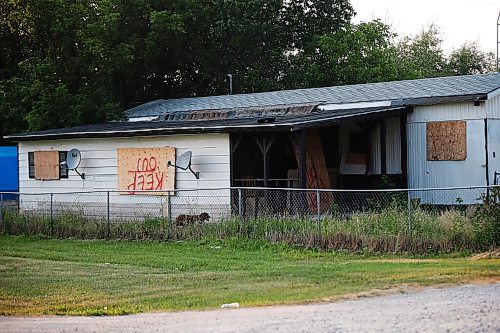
{"x": 63, "y": 171}
{"x": 446, "y": 141}
{"x": 46, "y": 165}
{"x": 145, "y": 169}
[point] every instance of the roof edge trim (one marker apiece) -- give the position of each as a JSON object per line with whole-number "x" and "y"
{"x": 148, "y": 131}
{"x": 493, "y": 93}
{"x": 358, "y": 105}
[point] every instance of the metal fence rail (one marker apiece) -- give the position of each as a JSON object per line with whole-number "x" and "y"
{"x": 212, "y": 205}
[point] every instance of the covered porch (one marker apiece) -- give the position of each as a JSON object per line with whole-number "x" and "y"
{"x": 365, "y": 151}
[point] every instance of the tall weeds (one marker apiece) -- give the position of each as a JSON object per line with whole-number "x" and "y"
{"x": 383, "y": 231}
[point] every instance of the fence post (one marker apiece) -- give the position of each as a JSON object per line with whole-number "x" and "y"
{"x": 169, "y": 207}
{"x": 318, "y": 207}
{"x": 51, "y": 213}
{"x": 240, "y": 209}
{"x": 108, "y": 220}
{"x": 410, "y": 231}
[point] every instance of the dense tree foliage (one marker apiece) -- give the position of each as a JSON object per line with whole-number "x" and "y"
{"x": 65, "y": 63}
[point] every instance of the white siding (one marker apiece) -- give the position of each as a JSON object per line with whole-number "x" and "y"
{"x": 494, "y": 148}
{"x": 393, "y": 145}
{"x": 493, "y": 106}
{"x": 432, "y": 174}
{"x": 452, "y": 111}
{"x": 99, "y": 163}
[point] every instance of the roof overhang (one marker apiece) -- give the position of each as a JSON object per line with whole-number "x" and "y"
{"x": 126, "y": 129}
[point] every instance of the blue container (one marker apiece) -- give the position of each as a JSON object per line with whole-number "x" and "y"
{"x": 9, "y": 168}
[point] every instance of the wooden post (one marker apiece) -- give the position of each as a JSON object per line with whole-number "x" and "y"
{"x": 264, "y": 147}
{"x": 234, "y": 143}
{"x": 302, "y": 159}
{"x": 264, "y": 157}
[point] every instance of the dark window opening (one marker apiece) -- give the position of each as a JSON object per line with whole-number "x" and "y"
{"x": 63, "y": 169}
{"x": 31, "y": 164}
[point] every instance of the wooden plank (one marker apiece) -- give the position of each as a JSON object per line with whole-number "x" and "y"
{"x": 47, "y": 165}
{"x": 317, "y": 174}
{"x": 446, "y": 140}
{"x": 146, "y": 169}
{"x": 316, "y": 171}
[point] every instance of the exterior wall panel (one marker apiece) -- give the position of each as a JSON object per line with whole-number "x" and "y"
{"x": 493, "y": 106}
{"x": 99, "y": 163}
{"x": 433, "y": 174}
{"x": 442, "y": 112}
{"x": 494, "y": 149}
{"x": 393, "y": 145}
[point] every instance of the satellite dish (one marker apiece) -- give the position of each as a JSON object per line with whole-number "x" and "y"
{"x": 184, "y": 163}
{"x": 73, "y": 159}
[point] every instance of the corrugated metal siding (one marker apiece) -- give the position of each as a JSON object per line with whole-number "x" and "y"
{"x": 99, "y": 162}
{"x": 493, "y": 107}
{"x": 441, "y": 112}
{"x": 393, "y": 145}
{"x": 494, "y": 148}
{"x": 427, "y": 174}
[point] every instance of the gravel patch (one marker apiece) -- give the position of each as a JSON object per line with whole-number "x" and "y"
{"x": 466, "y": 308}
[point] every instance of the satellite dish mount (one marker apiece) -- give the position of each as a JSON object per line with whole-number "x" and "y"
{"x": 184, "y": 163}
{"x": 73, "y": 159}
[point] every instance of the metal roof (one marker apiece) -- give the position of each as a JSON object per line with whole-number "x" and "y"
{"x": 409, "y": 92}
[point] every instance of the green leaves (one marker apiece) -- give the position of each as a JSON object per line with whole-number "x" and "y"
{"x": 65, "y": 63}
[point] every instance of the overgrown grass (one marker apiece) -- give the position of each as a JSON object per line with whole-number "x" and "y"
{"x": 386, "y": 230}
{"x": 97, "y": 277}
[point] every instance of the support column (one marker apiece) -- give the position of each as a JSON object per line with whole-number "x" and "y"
{"x": 302, "y": 159}
{"x": 264, "y": 146}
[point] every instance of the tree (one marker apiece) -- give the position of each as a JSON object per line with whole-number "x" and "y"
{"x": 422, "y": 55}
{"x": 469, "y": 59}
{"x": 65, "y": 63}
{"x": 356, "y": 54}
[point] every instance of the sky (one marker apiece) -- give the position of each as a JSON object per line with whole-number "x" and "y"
{"x": 458, "y": 20}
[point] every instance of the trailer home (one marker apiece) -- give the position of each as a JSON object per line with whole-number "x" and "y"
{"x": 438, "y": 132}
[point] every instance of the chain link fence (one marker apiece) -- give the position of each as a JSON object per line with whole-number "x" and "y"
{"x": 319, "y": 209}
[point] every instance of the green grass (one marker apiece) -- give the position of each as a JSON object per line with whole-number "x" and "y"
{"x": 95, "y": 277}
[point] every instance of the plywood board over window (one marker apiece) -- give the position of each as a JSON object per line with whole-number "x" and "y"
{"x": 46, "y": 165}
{"x": 145, "y": 169}
{"x": 446, "y": 141}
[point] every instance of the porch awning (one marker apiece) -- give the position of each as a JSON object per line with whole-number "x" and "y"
{"x": 278, "y": 118}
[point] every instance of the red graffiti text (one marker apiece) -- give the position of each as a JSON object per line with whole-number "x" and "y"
{"x": 147, "y": 175}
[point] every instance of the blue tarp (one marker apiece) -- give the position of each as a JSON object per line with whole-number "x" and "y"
{"x": 9, "y": 169}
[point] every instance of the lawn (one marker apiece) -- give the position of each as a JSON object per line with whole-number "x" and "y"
{"x": 93, "y": 277}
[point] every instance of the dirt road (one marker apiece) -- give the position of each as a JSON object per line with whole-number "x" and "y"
{"x": 468, "y": 308}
